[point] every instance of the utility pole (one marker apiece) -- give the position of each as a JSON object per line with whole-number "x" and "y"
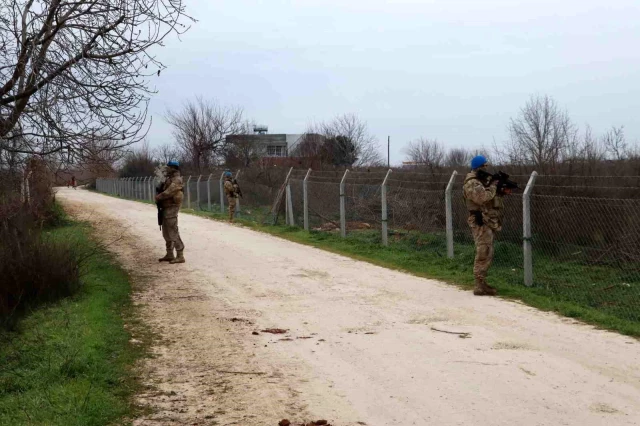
{"x": 388, "y": 152}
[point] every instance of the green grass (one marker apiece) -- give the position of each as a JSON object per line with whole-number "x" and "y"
{"x": 69, "y": 362}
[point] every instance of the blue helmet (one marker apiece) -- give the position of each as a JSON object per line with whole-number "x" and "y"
{"x": 478, "y": 161}
{"x": 173, "y": 163}
{"x": 227, "y": 173}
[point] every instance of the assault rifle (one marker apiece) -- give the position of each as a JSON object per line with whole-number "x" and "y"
{"x": 501, "y": 177}
{"x": 238, "y": 190}
{"x": 160, "y": 212}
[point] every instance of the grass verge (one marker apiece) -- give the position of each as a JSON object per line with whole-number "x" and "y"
{"x": 69, "y": 362}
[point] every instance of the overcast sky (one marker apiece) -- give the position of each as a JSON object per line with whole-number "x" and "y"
{"x": 454, "y": 70}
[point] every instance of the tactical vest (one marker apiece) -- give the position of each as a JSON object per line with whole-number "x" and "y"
{"x": 497, "y": 203}
{"x": 471, "y": 206}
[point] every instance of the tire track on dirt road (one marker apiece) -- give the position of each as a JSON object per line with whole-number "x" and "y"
{"x": 361, "y": 345}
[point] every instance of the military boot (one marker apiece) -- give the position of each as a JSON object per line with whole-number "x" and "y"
{"x": 179, "y": 258}
{"x": 168, "y": 257}
{"x": 492, "y": 289}
{"x": 483, "y": 289}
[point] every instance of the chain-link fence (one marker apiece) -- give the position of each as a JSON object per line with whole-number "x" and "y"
{"x": 583, "y": 247}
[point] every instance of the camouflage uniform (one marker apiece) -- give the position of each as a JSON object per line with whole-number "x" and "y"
{"x": 231, "y": 191}
{"x": 485, "y": 219}
{"x": 170, "y": 200}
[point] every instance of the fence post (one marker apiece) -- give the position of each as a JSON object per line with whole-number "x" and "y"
{"x": 385, "y": 215}
{"x": 449, "y": 214}
{"x": 188, "y": 193}
{"x": 237, "y": 199}
{"x": 343, "y": 218}
{"x": 305, "y": 200}
{"x": 198, "y": 190}
{"x": 222, "y": 193}
{"x": 290, "y": 206}
{"x": 152, "y": 188}
{"x": 209, "y": 192}
{"x": 526, "y": 228}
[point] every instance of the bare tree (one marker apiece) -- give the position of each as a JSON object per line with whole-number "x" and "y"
{"x": 138, "y": 162}
{"x": 311, "y": 146}
{"x": 200, "y": 130}
{"x": 348, "y": 141}
{"x": 458, "y": 157}
{"x": 540, "y": 134}
{"x": 615, "y": 143}
{"x": 72, "y": 68}
{"x": 165, "y": 153}
{"x": 426, "y": 153}
{"x": 244, "y": 148}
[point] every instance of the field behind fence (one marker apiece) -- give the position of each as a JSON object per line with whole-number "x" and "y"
{"x": 573, "y": 238}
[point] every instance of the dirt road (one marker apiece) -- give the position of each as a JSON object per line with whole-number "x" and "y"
{"x": 361, "y": 346}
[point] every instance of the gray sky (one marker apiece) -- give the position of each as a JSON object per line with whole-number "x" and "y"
{"x": 455, "y": 70}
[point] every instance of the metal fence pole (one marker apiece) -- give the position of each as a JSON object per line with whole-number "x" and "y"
{"x": 188, "y": 193}
{"x": 209, "y": 192}
{"x": 449, "y": 213}
{"x": 385, "y": 216}
{"x": 152, "y": 189}
{"x": 526, "y": 228}
{"x": 289, "y": 206}
{"x": 343, "y": 218}
{"x": 222, "y": 193}
{"x": 198, "y": 191}
{"x": 305, "y": 200}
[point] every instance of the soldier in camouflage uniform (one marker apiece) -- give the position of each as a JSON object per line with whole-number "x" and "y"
{"x": 485, "y": 208}
{"x": 231, "y": 190}
{"x": 170, "y": 200}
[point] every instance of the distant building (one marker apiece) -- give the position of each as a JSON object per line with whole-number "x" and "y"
{"x": 274, "y": 145}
